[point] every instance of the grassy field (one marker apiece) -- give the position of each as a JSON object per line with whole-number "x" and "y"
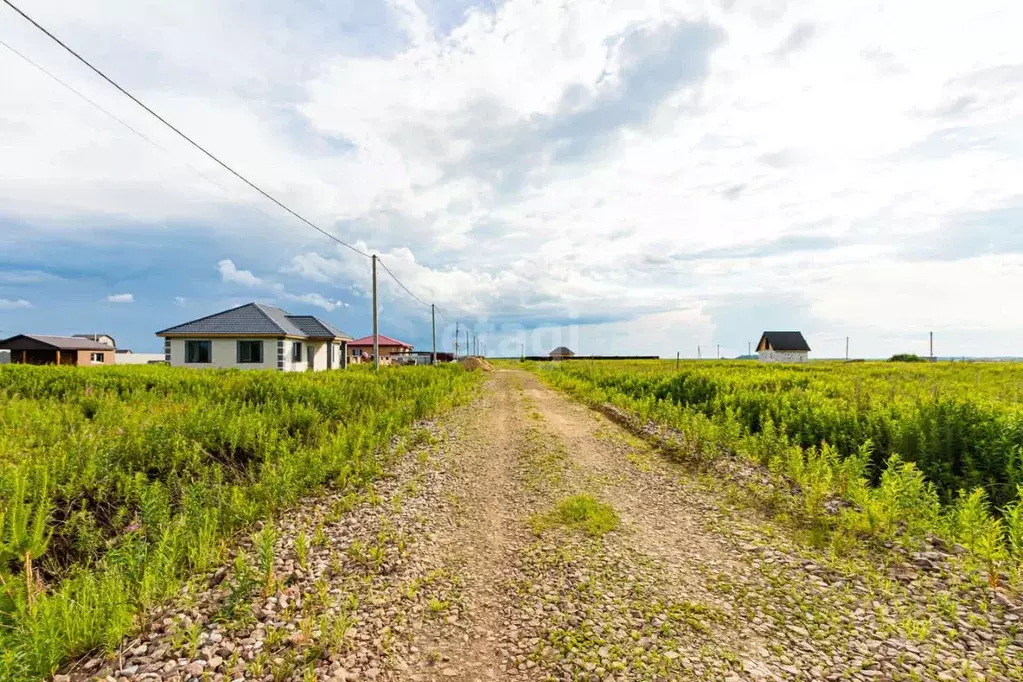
{"x": 917, "y": 448}
{"x": 117, "y": 483}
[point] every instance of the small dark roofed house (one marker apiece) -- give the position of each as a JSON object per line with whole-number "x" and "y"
{"x": 560, "y": 353}
{"x": 783, "y": 347}
{"x": 47, "y": 349}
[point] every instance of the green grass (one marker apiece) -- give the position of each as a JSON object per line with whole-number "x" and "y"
{"x": 918, "y": 449}
{"x": 118, "y": 484}
{"x": 580, "y": 512}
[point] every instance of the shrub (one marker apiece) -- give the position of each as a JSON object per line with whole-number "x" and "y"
{"x": 116, "y": 483}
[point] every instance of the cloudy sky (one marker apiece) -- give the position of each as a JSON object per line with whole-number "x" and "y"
{"x": 622, "y": 177}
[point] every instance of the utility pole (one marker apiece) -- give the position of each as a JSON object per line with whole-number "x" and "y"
{"x": 678, "y": 355}
{"x": 522, "y": 352}
{"x": 433, "y": 327}
{"x": 699, "y": 353}
{"x": 932, "y": 345}
{"x": 847, "y": 348}
{"x": 468, "y": 348}
{"x": 456, "y": 340}
{"x": 749, "y": 348}
{"x": 719, "y": 351}
{"x": 376, "y": 329}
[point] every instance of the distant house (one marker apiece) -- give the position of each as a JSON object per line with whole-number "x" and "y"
{"x": 782, "y": 347}
{"x": 256, "y": 336}
{"x": 45, "y": 349}
{"x": 362, "y": 349}
{"x": 99, "y": 338}
{"x": 560, "y": 353}
{"x": 126, "y": 356}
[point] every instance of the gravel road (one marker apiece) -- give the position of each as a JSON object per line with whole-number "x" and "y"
{"x": 455, "y": 567}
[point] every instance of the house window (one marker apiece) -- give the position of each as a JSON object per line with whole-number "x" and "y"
{"x": 96, "y": 357}
{"x": 296, "y": 351}
{"x": 250, "y": 352}
{"x": 198, "y": 352}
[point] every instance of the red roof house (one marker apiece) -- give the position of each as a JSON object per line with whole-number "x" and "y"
{"x": 388, "y": 346}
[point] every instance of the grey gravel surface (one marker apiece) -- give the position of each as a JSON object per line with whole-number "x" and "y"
{"x": 448, "y": 570}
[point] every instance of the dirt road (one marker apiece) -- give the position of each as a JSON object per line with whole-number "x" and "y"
{"x": 456, "y": 566}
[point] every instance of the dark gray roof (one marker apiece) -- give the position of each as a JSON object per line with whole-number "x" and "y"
{"x": 561, "y": 350}
{"x": 785, "y": 341}
{"x": 62, "y": 342}
{"x": 314, "y": 327}
{"x": 255, "y": 318}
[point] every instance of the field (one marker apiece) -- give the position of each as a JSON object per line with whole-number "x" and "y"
{"x": 720, "y": 521}
{"x": 916, "y": 448}
{"x": 116, "y": 484}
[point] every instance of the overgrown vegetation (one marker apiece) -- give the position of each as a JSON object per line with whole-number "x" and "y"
{"x": 117, "y": 483}
{"x": 891, "y": 453}
{"x": 582, "y": 512}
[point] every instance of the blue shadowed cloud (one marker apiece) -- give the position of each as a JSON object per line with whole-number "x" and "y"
{"x": 792, "y": 243}
{"x": 447, "y": 15}
{"x": 656, "y": 63}
{"x": 975, "y": 234}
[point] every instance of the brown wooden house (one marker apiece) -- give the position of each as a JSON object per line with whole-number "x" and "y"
{"x": 39, "y": 349}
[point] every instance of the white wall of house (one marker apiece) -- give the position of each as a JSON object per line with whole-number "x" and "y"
{"x": 139, "y": 358}
{"x": 225, "y": 354}
{"x": 289, "y": 364}
{"x": 783, "y": 356}
{"x": 320, "y": 355}
{"x": 5, "y": 357}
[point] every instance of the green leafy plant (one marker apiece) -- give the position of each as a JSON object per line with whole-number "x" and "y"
{"x": 583, "y": 512}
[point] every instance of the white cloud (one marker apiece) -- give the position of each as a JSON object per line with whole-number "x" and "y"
{"x": 546, "y": 160}
{"x": 230, "y": 273}
{"x": 180, "y": 301}
{"x": 315, "y": 300}
{"x": 26, "y": 277}
{"x": 8, "y": 304}
{"x": 121, "y": 298}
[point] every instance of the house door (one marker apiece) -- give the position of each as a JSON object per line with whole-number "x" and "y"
{"x": 310, "y": 353}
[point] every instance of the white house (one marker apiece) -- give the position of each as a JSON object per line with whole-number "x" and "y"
{"x": 256, "y": 336}
{"x": 126, "y": 356}
{"x": 782, "y": 347}
{"x": 98, "y": 338}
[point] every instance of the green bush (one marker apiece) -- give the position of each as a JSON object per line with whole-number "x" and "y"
{"x": 118, "y": 483}
{"x": 899, "y": 441}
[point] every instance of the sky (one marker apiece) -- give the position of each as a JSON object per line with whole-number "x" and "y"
{"x": 641, "y": 177}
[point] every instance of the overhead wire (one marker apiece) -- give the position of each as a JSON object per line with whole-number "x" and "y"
{"x": 395, "y": 278}
{"x": 121, "y": 121}
{"x": 188, "y": 139}
{"x": 181, "y": 134}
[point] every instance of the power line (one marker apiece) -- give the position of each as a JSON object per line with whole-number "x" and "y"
{"x": 178, "y": 131}
{"x": 407, "y": 291}
{"x": 157, "y": 145}
{"x": 188, "y": 139}
{"x": 121, "y": 121}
